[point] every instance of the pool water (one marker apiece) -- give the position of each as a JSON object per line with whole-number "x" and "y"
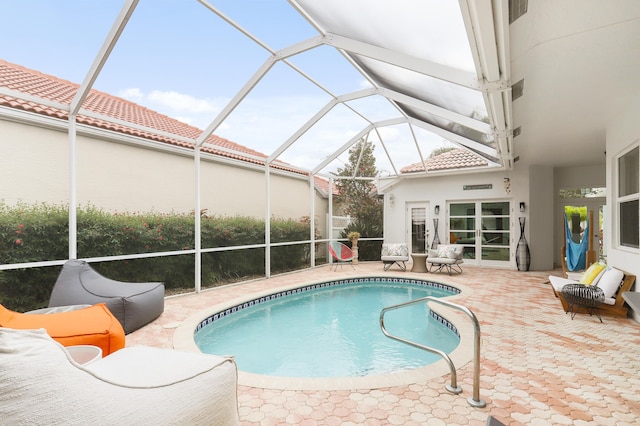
{"x": 331, "y": 331}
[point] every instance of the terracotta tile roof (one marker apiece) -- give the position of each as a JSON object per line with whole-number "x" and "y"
{"x": 34, "y": 83}
{"x": 455, "y": 159}
{"x": 322, "y": 184}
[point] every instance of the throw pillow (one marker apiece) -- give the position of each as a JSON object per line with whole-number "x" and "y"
{"x": 397, "y": 250}
{"x": 589, "y": 276}
{"x": 447, "y": 252}
{"x": 597, "y": 278}
{"x": 610, "y": 282}
{"x": 453, "y": 253}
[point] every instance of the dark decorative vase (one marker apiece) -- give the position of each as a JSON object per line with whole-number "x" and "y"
{"x": 523, "y": 256}
{"x": 436, "y": 239}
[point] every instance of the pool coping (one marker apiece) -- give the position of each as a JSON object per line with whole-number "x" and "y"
{"x": 183, "y": 339}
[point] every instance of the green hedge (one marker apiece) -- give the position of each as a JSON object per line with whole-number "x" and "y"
{"x": 30, "y": 233}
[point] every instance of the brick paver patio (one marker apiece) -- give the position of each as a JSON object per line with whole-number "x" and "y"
{"x": 538, "y": 367}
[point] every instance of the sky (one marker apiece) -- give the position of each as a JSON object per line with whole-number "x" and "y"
{"x": 178, "y": 58}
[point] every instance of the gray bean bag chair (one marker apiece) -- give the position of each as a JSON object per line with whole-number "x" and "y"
{"x": 133, "y": 304}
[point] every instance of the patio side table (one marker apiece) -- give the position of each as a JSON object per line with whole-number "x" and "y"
{"x": 588, "y": 297}
{"x": 419, "y": 262}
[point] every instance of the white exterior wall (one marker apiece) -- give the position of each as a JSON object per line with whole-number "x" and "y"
{"x": 34, "y": 164}
{"x": 621, "y": 133}
{"x": 442, "y": 190}
{"x": 537, "y": 186}
{"x": 121, "y": 177}
{"x": 540, "y": 213}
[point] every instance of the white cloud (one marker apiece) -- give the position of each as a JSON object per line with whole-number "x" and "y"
{"x": 261, "y": 124}
{"x": 364, "y": 84}
{"x": 264, "y": 124}
{"x": 188, "y": 120}
{"x": 132, "y": 94}
{"x": 183, "y": 103}
{"x": 186, "y": 108}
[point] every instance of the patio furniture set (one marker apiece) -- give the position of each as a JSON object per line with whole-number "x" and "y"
{"x": 447, "y": 257}
{"x": 86, "y": 308}
{"x": 598, "y": 290}
{"x": 68, "y": 364}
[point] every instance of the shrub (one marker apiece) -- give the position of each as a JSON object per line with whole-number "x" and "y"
{"x": 31, "y": 233}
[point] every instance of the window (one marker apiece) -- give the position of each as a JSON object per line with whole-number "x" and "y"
{"x": 628, "y": 197}
{"x": 583, "y": 193}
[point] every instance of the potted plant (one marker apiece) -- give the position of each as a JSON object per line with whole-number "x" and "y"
{"x": 353, "y": 237}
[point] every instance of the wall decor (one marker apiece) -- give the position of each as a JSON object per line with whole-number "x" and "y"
{"x": 479, "y": 186}
{"x": 436, "y": 239}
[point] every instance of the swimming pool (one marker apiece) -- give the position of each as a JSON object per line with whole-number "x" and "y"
{"x": 330, "y": 329}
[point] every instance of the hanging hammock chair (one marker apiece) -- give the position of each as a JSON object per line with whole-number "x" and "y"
{"x": 576, "y": 253}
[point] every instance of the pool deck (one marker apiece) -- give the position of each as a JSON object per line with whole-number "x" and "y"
{"x": 537, "y": 365}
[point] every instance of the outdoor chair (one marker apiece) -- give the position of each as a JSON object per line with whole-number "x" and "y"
{"x": 395, "y": 253}
{"x": 42, "y": 382}
{"x": 597, "y": 291}
{"x": 133, "y": 304}
{"x": 341, "y": 253}
{"x": 448, "y": 257}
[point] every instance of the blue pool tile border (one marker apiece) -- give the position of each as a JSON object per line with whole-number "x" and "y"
{"x": 310, "y": 287}
{"x": 442, "y": 320}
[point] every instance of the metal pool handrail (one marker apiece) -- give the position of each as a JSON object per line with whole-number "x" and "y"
{"x": 475, "y": 400}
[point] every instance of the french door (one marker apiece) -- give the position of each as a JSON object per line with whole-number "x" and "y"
{"x": 417, "y": 230}
{"x": 484, "y": 229}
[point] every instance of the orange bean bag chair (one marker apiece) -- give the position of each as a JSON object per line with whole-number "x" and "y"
{"x": 94, "y": 325}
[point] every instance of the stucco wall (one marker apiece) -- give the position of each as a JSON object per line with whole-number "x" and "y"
{"x": 34, "y": 164}
{"x": 623, "y": 132}
{"x": 540, "y": 211}
{"x": 536, "y": 186}
{"x": 441, "y": 190}
{"x": 120, "y": 177}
